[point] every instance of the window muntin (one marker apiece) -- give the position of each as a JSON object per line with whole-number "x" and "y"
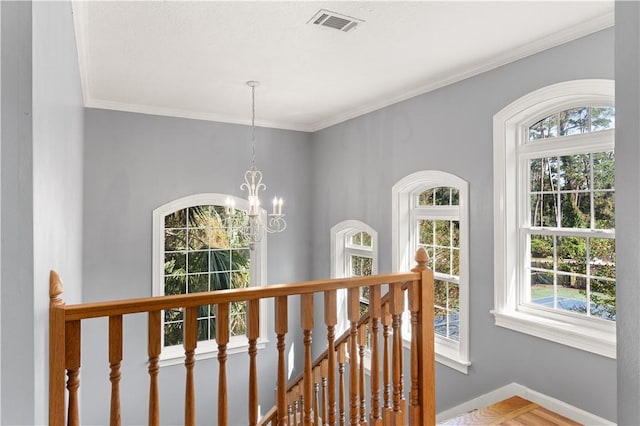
{"x": 573, "y": 121}
{"x": 570, "y": 239}
{"x": 202, "y": 253}
{"x": 537, "y": 238}
{"x": 196, "y": 249}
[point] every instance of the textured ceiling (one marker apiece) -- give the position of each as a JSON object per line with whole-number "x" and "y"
{"x": 192, "y": 59}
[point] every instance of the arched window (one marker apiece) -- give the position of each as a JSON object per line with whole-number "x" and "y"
{"x": 430, "y": 210}
{"x": 354, "y": 253}
{"x": 199, "y": 246}
{"x": 554, "y": 172}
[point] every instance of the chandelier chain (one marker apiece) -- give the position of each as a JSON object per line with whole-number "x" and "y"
{"x": 253, "y": 128}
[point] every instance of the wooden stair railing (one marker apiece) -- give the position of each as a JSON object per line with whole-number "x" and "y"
{"x": 318, "y": 396}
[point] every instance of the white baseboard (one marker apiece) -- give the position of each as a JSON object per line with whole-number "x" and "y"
{"x": 553, "y": 404}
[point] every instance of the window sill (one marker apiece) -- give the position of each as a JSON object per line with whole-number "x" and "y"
{"x": 447, "y": 353}
{"x": 580, "y": 335}
{"x": 174, "y": 355}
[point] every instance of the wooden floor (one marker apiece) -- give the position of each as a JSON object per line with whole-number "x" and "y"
{"x": 514, "y": 411}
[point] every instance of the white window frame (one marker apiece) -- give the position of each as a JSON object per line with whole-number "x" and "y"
{"x": 341, "y": 251}
{"x": 404, "y": 244}
{"x": 511, "y": 152}
{"x": 258, "y": 272}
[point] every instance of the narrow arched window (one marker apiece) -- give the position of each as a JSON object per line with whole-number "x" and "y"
{"x": 430, "y": 210}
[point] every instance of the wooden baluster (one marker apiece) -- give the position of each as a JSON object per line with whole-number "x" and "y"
{"x": 362, "y": 341}
{"x": 386, "y": 371}
{"x": 222, "y": 337}
{"x": 414, "y": 393}
{"x": 72, "y": 356}
{"x": 56, "y": 351}
{"x": 253, "y": 332}
{"x": 190, "y": 342}
{"x": 425, "y": 341}
{"x": 306, "y": 322}
{"x": 353, "y": 312}
{"x": 296, "y": 405}
{"x": 375, "y": 311}
{"x": 396, "y": 309}
{"x": 281, "y": 326}
{"x": 153, "y": 350}
{"x": 331, "y": 319}
{"x": 289, "y": 412}
{"x": 316, "y": 396}
{"x": 115, "y": 359}
{"x": 342, "y": 359}
{"x": 325, "y": 371}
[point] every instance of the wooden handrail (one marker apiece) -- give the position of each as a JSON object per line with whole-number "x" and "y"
{"x": 302, "y": 401}
{"x": 159, "y": 303}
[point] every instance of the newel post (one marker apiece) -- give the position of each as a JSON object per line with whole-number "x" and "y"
{"x": 422, "y": 396}
{"x": 56, "y": 351}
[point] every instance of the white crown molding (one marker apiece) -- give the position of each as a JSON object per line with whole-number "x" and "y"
{"x": 541, "y": 399}
{"x": 553, "y": 40}
{"x": 194, "y": 115}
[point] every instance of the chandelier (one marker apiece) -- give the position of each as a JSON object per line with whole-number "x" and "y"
{"x": 254, "y": 227}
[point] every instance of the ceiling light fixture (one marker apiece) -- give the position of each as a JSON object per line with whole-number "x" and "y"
{"x": 254, "y": 228}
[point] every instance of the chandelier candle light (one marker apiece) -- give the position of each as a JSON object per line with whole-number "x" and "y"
{"x": 254, "y": 227}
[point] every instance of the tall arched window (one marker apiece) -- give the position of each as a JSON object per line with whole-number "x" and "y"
{"x": 430, "y": 210}
{"x": 554, "y": 172}
{"x": 354, "y": 253}
{"x": 199, "y": 246}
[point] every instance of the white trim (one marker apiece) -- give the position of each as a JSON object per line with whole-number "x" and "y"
{"x": 448, "y": 352}
{"x": 514, "y": 389}
{"x": 463, "y": 72}
{"x": 509, "y": 131}
{"x": 339, "y": 232}
{"x": 258, "y": 268}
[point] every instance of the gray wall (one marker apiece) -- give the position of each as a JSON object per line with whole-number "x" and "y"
{"x": 357, "y": 162}
{"x": 42, "y": 131}
{"x": 628, "y": 209}
{"x": 135, "y": 163}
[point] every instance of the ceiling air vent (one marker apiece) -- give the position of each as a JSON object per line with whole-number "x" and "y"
{"x": 327, "y": 18}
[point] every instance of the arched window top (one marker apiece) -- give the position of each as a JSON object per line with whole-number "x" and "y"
{"x": 360, "y": 239}
{"x": 573, "y": 121}
{"x": 439, "y": 196}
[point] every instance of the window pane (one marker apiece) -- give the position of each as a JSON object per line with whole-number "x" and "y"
{"x": 176, "y": 220}
{"x": 175, "y": 284}
{"x": 443, "y": 261}
{"x": 173, "y": 315}
{"x": 602, "y": 254}
{"x": 545, "y": 128}
{"x": 175, "y": 239}
{"x": 198, "y": 261}
{"x": 549, "y": 210}
{"x": 440, "y": 293}
{"x": 455, "y": 270}
{"x": 572, "y": 297}
{"x": 541, "y": 247}
{"x": 574, "y": 172}
{"x": 366, "y": 239}
{"x": 550, "y": 171}
{"x": 576, "y": 210}
{"x": 604, "y": 210}
{"x": 198, "y": 238}
{"x": 220, "y": 281}
{"x": 542, "y": 288}
{"x": 453, "y": 297}
{"x": 574, "y": 121}
{"x": 175, "y": 263}
{"x": 173, "y": 333}
{"x": 536, "y": 174}
{"x": 197, "y": 283}
{"x": 356, "y": 238}
{"x": 443, "y": 230}
{"x": 603, "y": 299}
{"x": 426, "y": 231}
{"x": 572, "y": 255}
{"x": 442, "y": 197}
{"x": 440, "y": 321}
{"x": 426, "y": 198}
{"x": 602, "y": 118}
{"x": 604, "y": 170}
